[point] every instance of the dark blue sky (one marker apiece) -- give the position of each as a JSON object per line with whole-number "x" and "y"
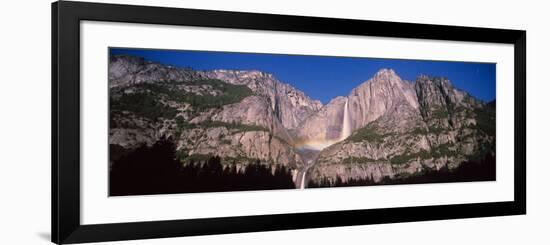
{"x": 324, "y": 77}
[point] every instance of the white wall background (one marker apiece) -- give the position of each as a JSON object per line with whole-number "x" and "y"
{"x": 25, "y": 121}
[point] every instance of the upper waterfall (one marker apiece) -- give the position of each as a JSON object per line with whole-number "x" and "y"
{"x": 346, "y": 129}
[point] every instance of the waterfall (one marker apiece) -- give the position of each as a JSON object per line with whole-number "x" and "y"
{"x": 303, "y": 181}
{"x": 346, "y": 131}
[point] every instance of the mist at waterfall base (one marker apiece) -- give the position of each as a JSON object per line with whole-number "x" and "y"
{"x": 320, "y": 144}
{"x": 309, "y": 150}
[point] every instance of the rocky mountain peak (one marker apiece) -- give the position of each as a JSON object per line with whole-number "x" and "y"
{"x": 441, "y": 84}
{"x": 438, "y": 92}
{"x": 384, "y": 94}
{"x": 127, "y": 70}
{"x": 290, "y": 105}
{"x": 386, "y": 75}
{"x": 127, "y": 59}
{"x": 239, "y": 76}
{"x": 384, "y": 81}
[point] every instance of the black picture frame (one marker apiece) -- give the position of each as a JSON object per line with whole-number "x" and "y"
{"x": 66, "y": 18}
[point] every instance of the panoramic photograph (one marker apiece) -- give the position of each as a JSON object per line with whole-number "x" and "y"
{"x": 185, "y": 121}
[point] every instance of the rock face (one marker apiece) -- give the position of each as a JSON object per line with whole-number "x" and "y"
{"x": 241, "y": 131}
{"x": 291, "y": 106}
{"x": 384, "y": 94}
{"x": 325, "y": 124}
{"x": 129, "y": 70}
{"x": 244, "y": 116}
{"x": 385, "y": 128}
{"x": 403, "y": 129}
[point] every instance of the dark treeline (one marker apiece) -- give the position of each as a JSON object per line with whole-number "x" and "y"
{"x": 155, "y": 170}
{"x": 474, "y": 170}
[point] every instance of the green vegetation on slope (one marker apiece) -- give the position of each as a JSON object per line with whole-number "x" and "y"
{"x": 436, "y": 152}
{"x": 440, "y": 113}
{"x": 236, "y": 127}
{"x": 418, "y": 131}
{"x": 486, "y": 120}
{"x": 436, "y": 130}
{"x": 352, "y": 160}
{"x": 443, "y": 150}
{"x": 366, "y": 134}
{"x": 404, "y": 158}
{"x": 182, "y": 156}
{"x": 229, "y": 93}
{"x": 148, "y": 100}
{"x": 143, "y": 104}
